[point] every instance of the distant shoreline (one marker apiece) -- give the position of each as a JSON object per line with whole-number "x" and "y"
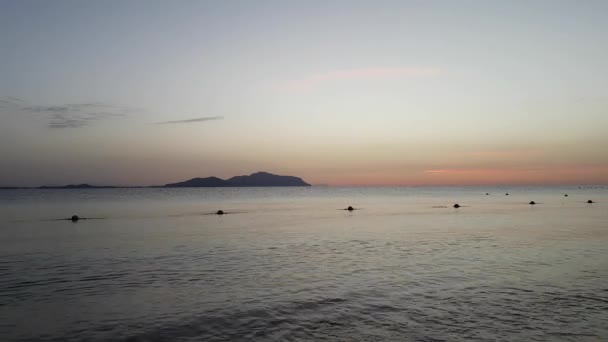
{"x": 258, "y": 179}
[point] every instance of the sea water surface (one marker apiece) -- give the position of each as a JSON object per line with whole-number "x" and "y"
{"x": 286, "y": 264}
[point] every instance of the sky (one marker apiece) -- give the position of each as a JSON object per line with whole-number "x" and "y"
{"x": 336, "y": 92}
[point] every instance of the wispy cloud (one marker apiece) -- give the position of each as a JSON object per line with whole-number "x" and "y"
{"x": 75, "y": 115}
{"x": 71, "y": 115}
{"x": 364, "y": 73}
{"x": 193, "y": 120}
{"x": 9, "y": 101}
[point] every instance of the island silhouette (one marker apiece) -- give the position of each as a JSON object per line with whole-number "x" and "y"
{"x": 257, "y": 179}
{"x": 254, "y": 179}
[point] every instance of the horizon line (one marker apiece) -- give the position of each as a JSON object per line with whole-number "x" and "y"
{"x": 94, "y": 186}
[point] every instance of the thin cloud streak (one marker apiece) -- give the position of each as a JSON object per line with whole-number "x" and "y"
{"x": 194, "y": 120}
{"x": 364, "y": 73}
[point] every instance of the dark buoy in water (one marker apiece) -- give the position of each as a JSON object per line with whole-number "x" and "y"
{"x": 566, "y": 195}
{"x": 532, "y": 203}
{"x": 589, "y": 201}
{"x": 350, "y": 208}
{"x": 456, "y": 205}
{"x": 220, "y": 212}
{"x": 507, "y": 194}
{"x": 487, "y": 194}
{"x": 75, "y": 218}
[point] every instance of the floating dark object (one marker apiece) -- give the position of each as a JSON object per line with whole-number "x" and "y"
{"x": 350, "y": 208}
{"x": 566, "y": 195}
{"x": 220, "y": 212}
{"x": 76, "y": 218}
{"x": 456, "y": 205}
{"x": 487, "y": 194}
{"x": 532, "y": 203}
{"x": 589, "y": 201}
{"x": 507, "y": 194}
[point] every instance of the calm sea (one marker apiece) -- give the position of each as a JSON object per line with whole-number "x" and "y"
{"x": 285, "y": 264}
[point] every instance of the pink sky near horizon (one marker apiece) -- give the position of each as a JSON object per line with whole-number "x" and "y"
{"x": 558, "y": 176}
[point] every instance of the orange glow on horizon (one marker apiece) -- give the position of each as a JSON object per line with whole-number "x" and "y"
{"x": 477, "y": 176}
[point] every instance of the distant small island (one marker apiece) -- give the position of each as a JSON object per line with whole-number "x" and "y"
{"x": 78, "y": 186}
{"x": 261, "y": 179}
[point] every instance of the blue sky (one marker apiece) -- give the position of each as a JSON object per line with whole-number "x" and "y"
{"x": 338, "y": 92}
